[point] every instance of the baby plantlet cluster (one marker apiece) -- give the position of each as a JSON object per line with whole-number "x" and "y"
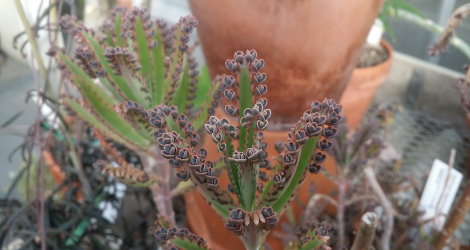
{"x": 135, "y": 64}
{"x": 262, "y": 187}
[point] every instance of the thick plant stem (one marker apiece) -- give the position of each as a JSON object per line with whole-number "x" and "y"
{"x": 385, "y": 203}
{"x": 455, "y": 218}
{"x": 435, "y": 28}
{"x": 365, "y": 236}
{"x": 340, "y": 212}
{"x": 161, "y": 191}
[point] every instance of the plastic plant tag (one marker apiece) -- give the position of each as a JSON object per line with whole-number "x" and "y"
{"x": 375, "y": 33}
{"x": 439, "y": 193}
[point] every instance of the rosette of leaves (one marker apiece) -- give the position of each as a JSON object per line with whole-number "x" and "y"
{"x": 134, "y": 64}
{"x": 261, "y": 189}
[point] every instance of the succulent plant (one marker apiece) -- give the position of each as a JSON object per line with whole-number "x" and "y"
{"x": 261, "y": 189}
{"x": 133, "y": 66}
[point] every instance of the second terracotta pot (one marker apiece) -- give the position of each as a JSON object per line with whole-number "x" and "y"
{"x": 310, "y": 47}
{"x": 362, "y": 87}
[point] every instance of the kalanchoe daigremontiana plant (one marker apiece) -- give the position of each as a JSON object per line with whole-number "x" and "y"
{"x": 135, "y": 65}
{"x": 263, "y": 189}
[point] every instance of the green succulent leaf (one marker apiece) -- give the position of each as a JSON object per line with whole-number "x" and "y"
{"x": 305, "y": 154}
{"x": 181, "y": 97}
{"x": 118, "y": 80}
{"x": 117, "y": 29}
{"x": 158, "y": 56}
{"x": 204, "y": 87}
{"x": 94, "y": 95}
{"x": 96, "y": 123}
{"x": 245, "y": 101}
{"x": 144, "y": 53}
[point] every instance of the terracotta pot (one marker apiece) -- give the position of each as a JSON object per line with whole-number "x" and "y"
{"x": 362, "y": 87}
{"x": 205, "y": 222}
{"x": 310, "y": 47}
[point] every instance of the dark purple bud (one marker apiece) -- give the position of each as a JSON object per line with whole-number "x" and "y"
{"x": 251, "y": 55}
{"x": 323, "y": 231}
{"x": 318, "y": 119}
{"x": 216, "y": 137}
{"x": 182, "y": 120}
{"x": 236, "y": 216}
{"x": 231, "y": 110}
{"x": 238, "y": 158}
{"x": 183, "y": 155}
{"x": 183, "y": 175}
{"x": 291, "y": 147}
{"x": 86, "y": 53}
{"x": 169, "y": 151}
{"x": 252, "y": 154}
{"x": 301, "y": 137}
{"x": 324, "y": 145}
{"x": 334, "y": 118}
{"x": 93, "y": 63}
{"x": 230, "y": 94}
{"x": 238, "y": 57}
{"x": 279, "y": 146}
{"x": 183, "y": 47}
{"x": 232, "y": 65}
{"x": 221, "y": 147}
{"x": 161, "y": 234}
{"x": 314, "y": 168}
{"x": 263, "y": 102}
{"x": 319, "y": 157}
{"x": 261, "y": 125}
{"x": 329, "y": 132}
{"x": 153, "y": 44}
{"x": 263, "y": 176}
{"x": 257, "y": 65}
{"x": 278, "y": 180}
{"x": 288, "y": 160}
{"x": 213, "y": 120}
{"x": 201, "y": 170}
{"x": 229, "y": 82}
{"x": 150, "y": 33}
{"x": 188, "y": 29}
{"x": 264, "y": 163}
{"x": 174, "y": 163}
{"x": 184, "y": 38}
{"x": 315, "y": 107}
{"x": 157, "y": 121}
{"x": 202, "y": 153}
{"x": 230, "y": 189}
{"x": 212, "y": 182}
{"x": 312, "y": 129}
{"x": 137, "y": 67}
{"x": 194, "y": 140}
{"x": 261, "y": 90}
{"x": 100, "y": 72}
{"x": 259, "y": 77}
{"x": 118, "y": 51}
{"x": 182, "y": 232}
{"x": 145, "y": 15}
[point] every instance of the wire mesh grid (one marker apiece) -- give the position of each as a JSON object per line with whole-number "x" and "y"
{"x": 418, "y": 139}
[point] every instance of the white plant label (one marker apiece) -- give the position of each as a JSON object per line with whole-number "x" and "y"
{"x": 437, "y": 198}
